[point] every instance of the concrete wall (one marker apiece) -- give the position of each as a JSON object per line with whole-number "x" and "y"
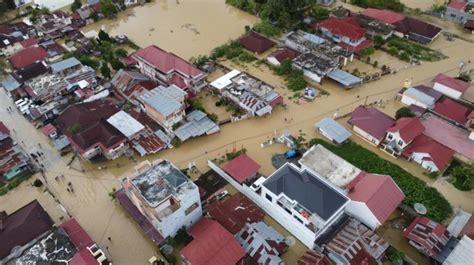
{"x": 361, "y": 212}
{"x": 428, "y": 165}
{"x": 447, "y": 91}
{"x": 407, "y": 100}
{"x": 365, "y": 135}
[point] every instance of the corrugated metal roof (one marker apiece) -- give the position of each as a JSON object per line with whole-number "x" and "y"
{"x": 458, "y": 222}
{"x": 462, "y": 253}
{"x": 345, "y": 78}
{"x": 334, "y": 130}
{"x": 162, "y": 100}
{"x": 420, "y": 96}
{"x": 125, "y": 123}
{"x": 10, "y": 83}
{"x": 225, "y": 80}
{"x": 197, "y": 125}
{"x": 65, "y": 64}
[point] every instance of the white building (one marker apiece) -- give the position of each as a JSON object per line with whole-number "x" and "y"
{"x": 296, "y": 198}
{"x": 449, "y": 86}
{"x": 126, "y": 124}
{"x": 164, "y": 195}
{"x": 412, "y": 96}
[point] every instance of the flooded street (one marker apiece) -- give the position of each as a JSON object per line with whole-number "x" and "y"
{"x": 185, "y": 27}
{"x": 188, "y": 29}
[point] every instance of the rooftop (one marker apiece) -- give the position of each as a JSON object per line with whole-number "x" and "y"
{"x": 159, "y": 181}
{"x": 334, "y": 130}
{"x": 452, "y": 83}
{"x": 28, "y": 56}
{"x": 440, "y": 154}
{"x": 316, "y": 63}
{"x": 304, "y": 42}
{"x": 306, "y": 189}
{"x": 234, "y": 212}
{"x": 426, "y": 232}
{"x": 329, "y": 166}
{"x": 462, "y": 253}
{"x": 408, "y": 128}
{"x": 420, "y": 96}
{"x": 212, "y": 245}
{"x": 386, "y": 16}
{"x": 241, "y": 168}
{"x": 452, "y": 110}
{"x": 415, "y": 26}
{"x": 256, "y": 43}
{"x": 225, "y": 80}
{"x": 127, "y": 125}
{"x": 312, "y": 257}
{"x": 372, "y": 121}
{"x": 460, "y": 221}
{"x": 342, "y": 27}
{"x": 65, "y": 64}
{"x": 164, "y": 99}
{"x": 197, "y": 124}
{"x": 284, "y": 53}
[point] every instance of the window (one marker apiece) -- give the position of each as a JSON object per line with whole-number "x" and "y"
{"x": 298, "y": 219}
{"x": 400, "y": 142}
{"x": 269, "y": 198}
{"x": 390, "y": 137}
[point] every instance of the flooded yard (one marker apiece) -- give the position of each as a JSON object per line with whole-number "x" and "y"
{"x": 185, "y": 27}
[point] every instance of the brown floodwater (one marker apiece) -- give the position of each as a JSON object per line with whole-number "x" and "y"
{"x": 185, "y": 27}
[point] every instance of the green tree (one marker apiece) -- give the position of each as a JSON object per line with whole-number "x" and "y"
{"x": 116, "y": 64}
{"x": 464, "y": 177}
{"x": 121, "y": 52}
{"x": 105, "y": 70}
{"x": 404, "y": 112}
{"x": 318, "y": 12}
{"x": 367, "y": 52}
{"x": 76, "y": 5}
{"x": 103, "y": 36}
{"x": 284, "y": 68}
{"x": 378, "y": 42}
{"x": 107, "y": 7}
{"x": 296, "y": 81}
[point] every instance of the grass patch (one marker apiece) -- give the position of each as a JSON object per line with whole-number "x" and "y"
{"x": 415, "y": 189}
{"x": 10, "y": 185}
{"x": 406, "y": 50}
{"x": 462, "y": 175}
{"x": 294, "y": 78}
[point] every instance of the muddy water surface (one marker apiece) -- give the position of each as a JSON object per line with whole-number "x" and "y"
{"x": 185, "y": 27}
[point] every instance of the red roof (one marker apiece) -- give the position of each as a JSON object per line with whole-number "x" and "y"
{"x": 440, "y": 154}
{"x": 4, "y": 129}
{"x": 408, "y": 128}
{"x": 28, "y": 56}
{"x": 241, "y": 168}
{"x": 256, "y": 43}
{"x": 166, "y": 62}
{"x": 469, "y": 24}
{"x": 358, "y": 48}
{"x": 457, "y": 4}
{"x": 311, "y": 257}
{"x": 29, "y": 42}
{"x": 346, "y": 27}
{"x": 48, "y": 129}
{"x": 77, "y": 234}
{"x": 429, "y": 234}
{"x": 284, "y": 54}
{"x": 452, "y": 110}
{"x": 212, "y": 245}
{"x": 372, "y": 121}
{"x": 386, "y": 16}
{"x": 452, "y": 83}
{"x": 379, "y": 192}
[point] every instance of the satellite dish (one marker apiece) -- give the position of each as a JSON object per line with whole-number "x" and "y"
{"x": 420, "y": 208}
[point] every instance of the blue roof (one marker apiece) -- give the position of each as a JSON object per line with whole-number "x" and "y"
{"x": 64, "y": 64}
{"x": 345, "y": 78}
{"x": 163, "y": 99}
{"x": 332, "y": 129}
{"x": 198, "y": 124}
{"x": 420, "y": 96}
{"x": 10, "y": 83}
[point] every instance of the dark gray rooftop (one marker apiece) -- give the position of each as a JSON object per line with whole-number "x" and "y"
{"x": 307, "y": 190}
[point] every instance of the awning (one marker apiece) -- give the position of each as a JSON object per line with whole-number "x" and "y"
{"x": 344, "y": 78}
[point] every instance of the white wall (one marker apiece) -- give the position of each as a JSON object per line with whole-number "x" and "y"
{"x": 407, "y": 100}
{"x": 273, "y": 61}
{"x": 312, "y": 76}
{"x": 447, "y": 91}
{"x": 428, "y": 165}
{"x": 361, "y": 212}
{"x": 365, "y": 135}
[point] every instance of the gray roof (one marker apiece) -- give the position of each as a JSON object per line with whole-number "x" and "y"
{"x": 198, "y": 124}
{"x": 345, "y": 78}
{"x": 334, "y": 130}
{"x": 420, "y": 96}
{"x": 307, "y": 189}
{"x": 163, "y": 99}
{"x": 459, "y": 221}
{"x": 61, "y": 142}
{"x": 64, "y": 64}
{"x": 10, "y": 83}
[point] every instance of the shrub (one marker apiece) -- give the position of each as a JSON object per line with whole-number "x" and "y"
{"x": 415, "y": 189}
{"x": 366, "y": 52}
{"x": 267, "y": 29}
{"x": 404, "y": 112}
{"x": 296, "y": 81}
{"x": 37, "y": 183}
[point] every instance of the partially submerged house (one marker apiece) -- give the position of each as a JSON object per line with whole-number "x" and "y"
{"x": 332, "y": 130}
{"x": 450, "y": 86}
{"x": 460, "y": 11}
{"x": 27, "y": 57}
{"x": 431, "y": 155}
{"x": 13, "y": 160}
{"x": 370, "y": 124}
{"x": 402, "y": 134}
{"x": 279, "y": 56}
{"x": 427, "y": 236}
{"x": 195, "y": 124}
{"x": 422, "y": 96}
{"x": 256, "y": 42}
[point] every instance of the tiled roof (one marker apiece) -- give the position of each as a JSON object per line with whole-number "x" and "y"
{"x": 457, "y": 4}
{"x": 166, "y": 62}
{"x": 284, "y": 54}
{"x": 342, "y": 27}
{"x": 101, "y": 133}
{"x": 412, "y": 25}
{"x": 452, "y": 83}
{"x": 429, "y": 234}
{"x": 29, "y": 42}
{"x": 386, "y": 16}
{"x": 379, "y": 192}
{"x": 371, "y": 121}
{"x": 312, "y": 257}
{"x": 28, "y": 56}
{"x": 77, "y": 234}
{"x": 452, "y": 110}
{"x": 408, "y": 128}
{"x": 212, "y": 245}
{"x": 440, "y": 154}
{"x": 241, "y": 168}
{"x": 256, "y": 43}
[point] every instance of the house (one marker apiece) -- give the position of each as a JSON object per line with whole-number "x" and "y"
{"x": 169, "y": 69}
{"x": 413, "y": 96}
{"x": 65, "y": 67}
{"x": 196, "y": 124}
{"x": 13, "y": 160}
{"x": 256, "y": 42}
{"x": 27, "y": 57}
{"x": 427, "y": 236}
{"x": 356, "y": 244}
{"x": 10, "y": 84}
{"x": 235, "y": 212}
{"x": 469, "y": 25}
{"x": 454, "y": 137}
{"x": 373, "y": 198}
{"x": 312, "y": 257}
{"x": 345, "y": 31}
{"x": 31, "y": 71}
{"x": 431, "y": 155}
{"x": 315, "y": 66}
{"x": 386, "y": 16}
{"x": 263, "y": 243}
{"x": 166, "y": 197}
{"x": 375, "y": 28}
{"x": 402, "y": 134}
{"x": 211, "y": 244}
{"x": 12, "y": 35}
{"x": 370, "y": 124}
{"x": 461, "y": 254}
{"x": 451, "y": 87}
{"x": 22, "y": 226}
{"x": 88, "y": 132}
{"x": 462, "y": 224}
{"x": 242, "y": 168}
{"x": 165, "y": 105}
{"x": 332, "y": 130}
{"x": 126, "y": 124}
{"x": 459, "y": 11}
{"x": 279, "y": 56}
{"x": 452, "y": 111}
{"x": 131, "y": 84}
